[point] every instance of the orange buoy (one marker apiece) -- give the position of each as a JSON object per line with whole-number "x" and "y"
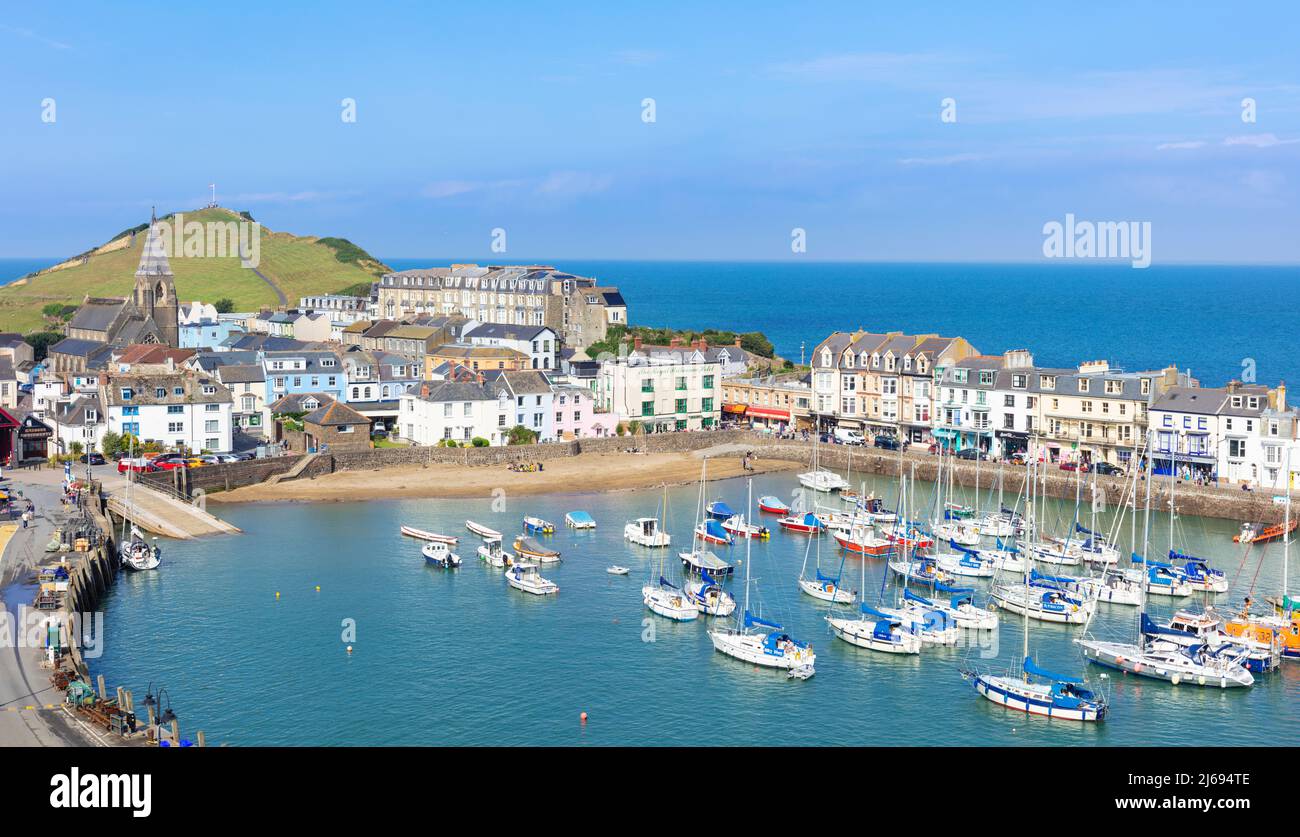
{"x": 583, "y": 716}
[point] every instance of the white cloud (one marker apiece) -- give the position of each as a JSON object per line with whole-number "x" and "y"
{"x": 1259, "y": 140}
{"x": 946, "y": 160}
{"x": 1178, "y": 146}
{"x": 573, "y": 183}
{"x": 33, "y": 36}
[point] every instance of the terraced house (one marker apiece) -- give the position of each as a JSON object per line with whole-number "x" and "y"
{"x": 1096, "y": 413}
{"x": 576, "y": 308}
{"x": 179, "y": 410}
{"x": 1213, "y": 432}
{"x": 881, "y": 383}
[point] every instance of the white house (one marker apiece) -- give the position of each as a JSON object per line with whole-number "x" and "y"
{"x": 1212, "y": 432}
{"x": 77, "y": 419}
{"x": 175, "y": 409}
{"x": 674, "y": 387}
{"x": 534, "y": 400}
{"x": 250, "y": 411}
{"x": 537, "y": 342}
{"x": 456, "y": 410}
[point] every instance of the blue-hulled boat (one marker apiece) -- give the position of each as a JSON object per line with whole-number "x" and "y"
{"x": 719, "y": 510}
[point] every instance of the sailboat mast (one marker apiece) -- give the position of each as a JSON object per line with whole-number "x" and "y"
{"x": 749, "y": 508}
{"x": 1286, "y": 530}
{"x": 1146, "y": 538}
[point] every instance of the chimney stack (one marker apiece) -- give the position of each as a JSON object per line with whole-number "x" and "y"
{"x": 674, "y": 342}
{"x": 1281, "y": 397}
{"x": 737, "y": 343}
{"x": 703, "y": 345}
{"x": 636, "y": 343}
{"x": 424, "y": 389}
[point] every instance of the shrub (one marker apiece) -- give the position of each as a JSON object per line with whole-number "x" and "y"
{"x": 480, "y": 442}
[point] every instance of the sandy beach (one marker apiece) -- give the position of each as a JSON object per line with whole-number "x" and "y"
{"x": 589, "y": 472}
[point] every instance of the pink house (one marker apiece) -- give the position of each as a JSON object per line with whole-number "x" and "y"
{"x": 576, "y": 416}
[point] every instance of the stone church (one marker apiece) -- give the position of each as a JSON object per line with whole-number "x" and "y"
{"x": 149, "y": 315}
{"x": 102, "y": 324}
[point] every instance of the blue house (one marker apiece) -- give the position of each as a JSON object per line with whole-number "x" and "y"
{"x": 294, "y": 372}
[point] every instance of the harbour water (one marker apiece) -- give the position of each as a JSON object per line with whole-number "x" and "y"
{"x": 457, "y": 657}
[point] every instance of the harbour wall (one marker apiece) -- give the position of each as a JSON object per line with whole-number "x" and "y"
{"x": 1206, "y": 501}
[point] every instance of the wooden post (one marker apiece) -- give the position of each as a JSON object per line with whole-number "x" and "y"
{"x": 202, "y": 739}
{"x": 101, "y": 686}
{"x": 176, "y": 733}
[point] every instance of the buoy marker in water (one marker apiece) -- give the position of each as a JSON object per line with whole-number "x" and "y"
{"x": 349, "y": 649}
{"x": 277, "y": 595}
{"x": 583, "y": 717}
{"x": 317, "y": 588}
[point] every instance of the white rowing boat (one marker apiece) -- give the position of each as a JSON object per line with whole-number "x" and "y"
{"x": 482, "y": 531}
{"x": 426, "y": 535}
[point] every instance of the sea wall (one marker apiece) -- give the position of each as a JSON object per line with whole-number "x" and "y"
{"x": 1228, "y": 503}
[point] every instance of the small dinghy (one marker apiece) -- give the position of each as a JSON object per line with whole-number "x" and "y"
{"x": 482, "y": 531}
{"x": 426, "y": 535}
{"x": 617, "y": 570}
{"x": 579, "y": 520}
{"x": 772, "y": 505}
{"x": 808, "y": 524}
{"x": 529, "y": 548}
{"x": 537, "y": 526}
{"x": 440, "y": 554}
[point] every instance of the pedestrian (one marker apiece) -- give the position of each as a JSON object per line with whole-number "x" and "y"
{"x": 27, "y": 516}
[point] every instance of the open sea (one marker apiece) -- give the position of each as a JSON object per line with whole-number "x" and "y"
{"x": 458, "y": 657}
{"x": 1221, "y": 322}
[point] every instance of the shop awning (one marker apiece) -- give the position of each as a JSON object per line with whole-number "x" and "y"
{"x": 768, "y": 413}
{"x": 738, "y": 409}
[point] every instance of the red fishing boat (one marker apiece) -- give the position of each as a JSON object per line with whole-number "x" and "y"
{"x": 772, "y": 505}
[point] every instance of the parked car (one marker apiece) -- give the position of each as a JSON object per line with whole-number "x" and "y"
{"x": 972, "y": 454}
{"x": 226, "y": 458}
{"x": 1070, "y": 466}
{"x": 138, "y": 465}
{"x": 887, "y": 442}
{"x": 1017, "y": 458}
{"x": 92, "y": 458}
{"x": 211, "y": 459}
{"x": 1107, "y": 470}
{"x": 168, "y": 461}
{"x": 845, "y": 436}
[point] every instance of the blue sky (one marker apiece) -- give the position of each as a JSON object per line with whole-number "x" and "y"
{"x": 768, "y": 117}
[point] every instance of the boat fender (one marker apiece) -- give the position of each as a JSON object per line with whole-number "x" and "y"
{"x": 1119, "y": 661}
{"x": 1175, "y": 679}
{"x": 1201, "y": 680}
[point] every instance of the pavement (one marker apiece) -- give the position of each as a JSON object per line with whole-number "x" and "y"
{"x": 31, "y": 709}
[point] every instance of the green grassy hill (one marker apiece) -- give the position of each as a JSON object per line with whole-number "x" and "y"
{"x": 298, "y": 265}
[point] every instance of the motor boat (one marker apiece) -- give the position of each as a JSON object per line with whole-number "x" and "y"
{"x": 440, "y": 554}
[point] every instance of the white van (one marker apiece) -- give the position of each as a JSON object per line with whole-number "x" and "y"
{"x": 845, "y": 436}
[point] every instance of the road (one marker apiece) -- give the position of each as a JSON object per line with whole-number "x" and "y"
{"x": 31, "y": 713}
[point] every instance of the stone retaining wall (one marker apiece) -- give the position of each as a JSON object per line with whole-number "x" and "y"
{"x": 1232, "y": 504}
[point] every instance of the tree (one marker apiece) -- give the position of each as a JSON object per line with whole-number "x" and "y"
{"x": 110, "y": 444}
{"x": 224, "y": 305}
{"x": 40, "y": 341}
{"x": 520, "y": 435}
{"x": 76, "y": 448}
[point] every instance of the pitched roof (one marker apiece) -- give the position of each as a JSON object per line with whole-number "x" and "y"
{"x": 145, "y": 389}
{"x": 335, "y": 414}
{"x": 241, "y": 374}
{"x": 76, "y": 347}
{"x": 293, "y": 403}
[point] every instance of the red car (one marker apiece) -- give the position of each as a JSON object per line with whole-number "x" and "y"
{"x": 138, "y": 466}
{"x": 168, "y": 462}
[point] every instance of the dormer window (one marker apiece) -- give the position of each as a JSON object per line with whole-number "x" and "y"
{"x": 875, "y": 361}
{"x": 1083, "y": 385}
{"x": 1047, "y": 381}
{"x": 127, "y": 393}
{"x": 160, "y": 392}
{"x": 848, "y": 360}
{"x": 1236, "y": 401}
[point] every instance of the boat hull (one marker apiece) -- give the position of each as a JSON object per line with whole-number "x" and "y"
{"x": 751, "y": 649}
{"x": 825, "y": 591}
{"x": 861, "y": 633}
{"x": 1121, "y": 656}
{"x": 1032, "y": 699}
